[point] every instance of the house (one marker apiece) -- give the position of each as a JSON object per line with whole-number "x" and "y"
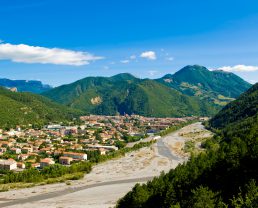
{"x": 2, "y": 149}
{"x": 21, "y": 165}
{"x": 27, "y": 149}
{"x": 76, "y": 156}
{"x": 102, "y": 151}
{"x": 65, "y": 160}
{"x": 23, "y": 156}
{"x": 35, "y": 165}
{"x": 8, "y": 165}
{"x": 46, "y": 162}
{"x": 15, "y": 150}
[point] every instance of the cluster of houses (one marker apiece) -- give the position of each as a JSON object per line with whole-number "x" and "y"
{"x": 26, "y": 147}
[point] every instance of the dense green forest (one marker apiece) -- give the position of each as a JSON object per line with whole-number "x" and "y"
{"x": 216, "y": 86}
{"x": 125, "y": 93}
{"x": 224, "y": 176}
{"x": 26, "y": 108}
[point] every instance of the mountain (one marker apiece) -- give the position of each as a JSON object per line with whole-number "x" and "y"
{"x": 239, "y": 115}
{"x": 25, "y": 85}
{"x": 225, "y": 175}
{"x": 25, "y": 108}
{"x": 124, "y": 93}
{"x": 216, "y": 86}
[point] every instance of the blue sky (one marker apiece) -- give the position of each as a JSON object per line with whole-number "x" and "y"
{"x": 58, "y": 41}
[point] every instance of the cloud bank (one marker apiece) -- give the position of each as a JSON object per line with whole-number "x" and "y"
{"x": 34, "y": 54}
{"x": 151, "y": 55}
{"x": 239, "y": 68}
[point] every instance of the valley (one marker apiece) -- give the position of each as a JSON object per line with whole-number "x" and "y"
{"x": 110, "y": 180}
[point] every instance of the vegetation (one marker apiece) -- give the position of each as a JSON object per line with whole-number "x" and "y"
{"x": 224, "y": 176}
{"x": 124, "y": 93}
{"x": 176, "y": 127}
{"x": 59, "y": 173}
{"x": 26, "y": 108}
{"x": 215, "y": 86}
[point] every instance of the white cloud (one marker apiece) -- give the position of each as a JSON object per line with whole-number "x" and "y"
{"x": 133, "y": 57}
{"x": 152, "y": 72}
{"x": 34, "y": 54}
{"x": 252, "y": 81}
{"x": 238, "y": 68}
{"x": 124, "y": 61}
{"x": 106, "y": 67}
{"x": 170, "y": 58}
{"x": 151, "y": 55}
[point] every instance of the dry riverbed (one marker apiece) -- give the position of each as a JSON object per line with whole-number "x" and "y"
{"x": 110, "y": 180}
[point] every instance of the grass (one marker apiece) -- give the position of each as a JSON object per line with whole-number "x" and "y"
{"x": 64, "y": 178}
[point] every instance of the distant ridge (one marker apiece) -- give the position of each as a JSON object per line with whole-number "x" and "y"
{"x": 25, "y": 85}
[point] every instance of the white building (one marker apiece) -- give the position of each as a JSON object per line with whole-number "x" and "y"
{"x": 8, "y": 164}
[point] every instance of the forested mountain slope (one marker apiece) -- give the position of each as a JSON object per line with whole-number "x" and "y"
{"x": 125, "y": 93}
{"x": 217, "y": 86}
{"x": 26, "y": 108}
{"x": 224, "y": 176}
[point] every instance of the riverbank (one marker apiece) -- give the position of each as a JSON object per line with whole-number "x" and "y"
{"x": 108, "y": 181}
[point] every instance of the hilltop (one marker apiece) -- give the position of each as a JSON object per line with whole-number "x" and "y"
{"x": 124, "y": 93}
{"x": 216, "y": 86}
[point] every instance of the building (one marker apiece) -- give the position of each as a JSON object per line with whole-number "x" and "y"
{"x": 65, "y": 160}
{"x": 15, "y": 150}
{"x": 76, "y": 155}
{"x": 46, "y": 162}
{"x": 8, "y": 164}
{"x": 102, "y": 151}
{"x": 21, "y": 165}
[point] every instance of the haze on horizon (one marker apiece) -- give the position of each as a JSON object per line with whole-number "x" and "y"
{"x": 59, "y": 42}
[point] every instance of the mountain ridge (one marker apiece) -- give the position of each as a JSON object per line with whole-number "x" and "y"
{"x": 33, "y": 86}
{"x": 124, "y": 93}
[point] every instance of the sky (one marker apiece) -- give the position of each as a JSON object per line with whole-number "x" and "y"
{"x": 58, "y": 42}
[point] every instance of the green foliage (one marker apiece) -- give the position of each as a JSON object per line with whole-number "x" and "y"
{"x": 33, "y": 175}
{"x": 215, "y": 86}
{"x": 223, "y": 176}
{"x": 189, "y": 146}
{"x": 124, "y": 93}
{"x": 26, "y": 108}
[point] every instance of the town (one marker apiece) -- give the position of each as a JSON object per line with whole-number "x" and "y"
{"x": 23, "y": 148}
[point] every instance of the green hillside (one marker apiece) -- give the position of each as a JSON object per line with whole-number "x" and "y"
{"x": 125, "y": 93}
{"x": 216, "y": 86}
{"x": 239, "y": 110}
{"x": 26, "y": 108}
{"x": 226, "y": 175}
